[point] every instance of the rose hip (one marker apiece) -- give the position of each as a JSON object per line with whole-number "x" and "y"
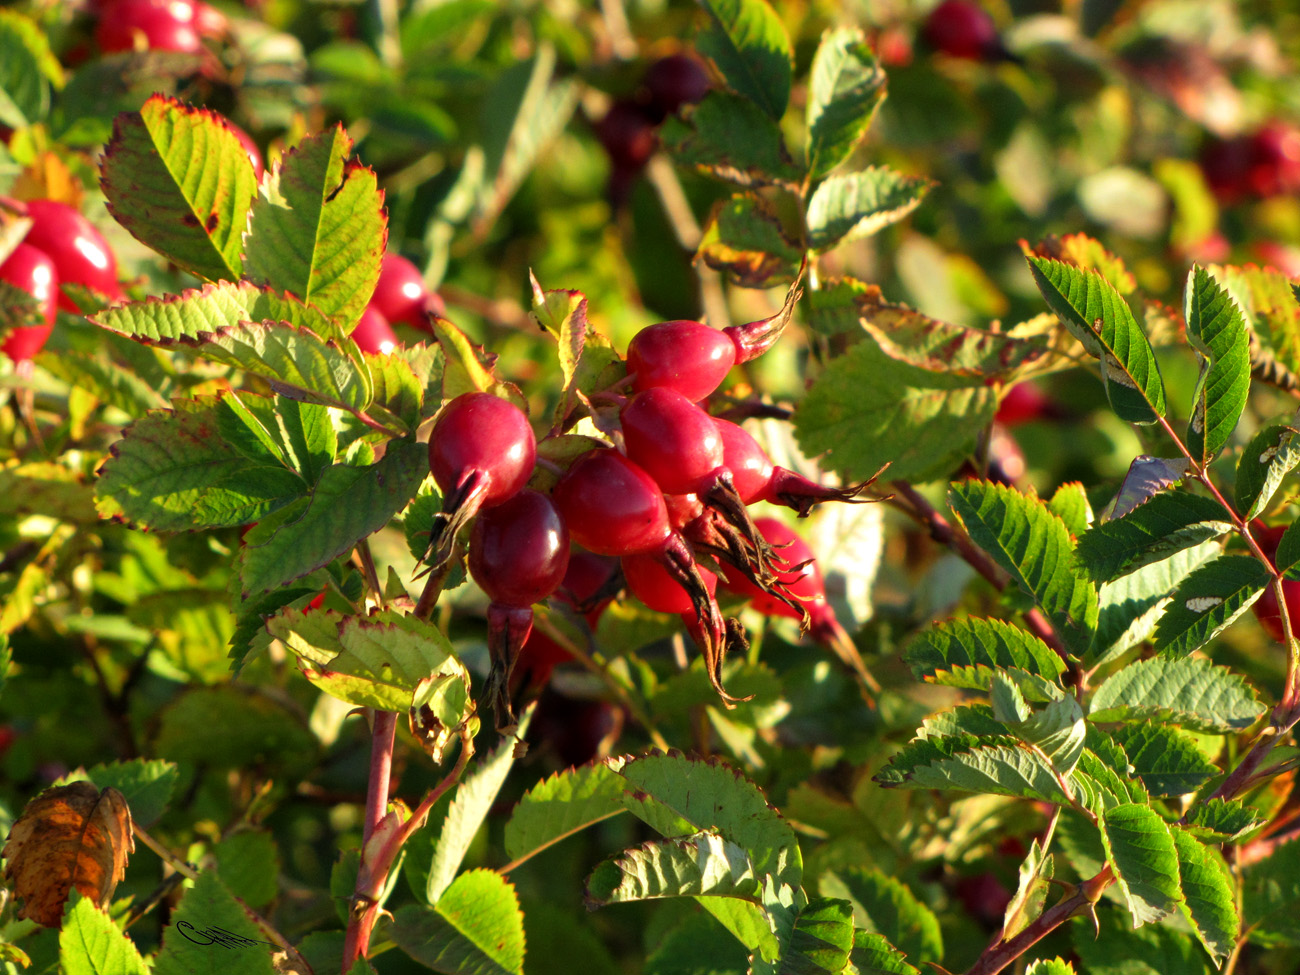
{"x": 672, "y": 440}
{"x": 373, "y": 334}
{"x": 650, "y": 582}
{"x": 400, "y": 292}
{"x": 693, "y": 358}
{"x": 518, "y": 554}
{"x": 32, "y": 271}
{"x": 77, "y": 248}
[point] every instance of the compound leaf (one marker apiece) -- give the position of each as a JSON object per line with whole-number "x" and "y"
{"x": 1167, "y": 761}
{"x": 854, "y": 205}
{"x": 1207, "y": 601}
{"x": 966, "y": 652}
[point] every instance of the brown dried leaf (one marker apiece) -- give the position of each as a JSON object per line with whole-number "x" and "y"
{"x": 69, "y": 836}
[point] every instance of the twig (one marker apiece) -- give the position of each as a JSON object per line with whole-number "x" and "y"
{"x": 366, "y": 560}
{"x": 169, "y": 858}
{"x": 361, "y": 922}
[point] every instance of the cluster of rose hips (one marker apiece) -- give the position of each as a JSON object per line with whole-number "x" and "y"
{"x": 400, "y": 296}
{"x": 629, "y": 129}
{"x": 60, "y": 248}
{"x": 672, "y": 489}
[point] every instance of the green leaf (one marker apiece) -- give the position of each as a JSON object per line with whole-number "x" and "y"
{"x": 1129, "y": 608}
{"x": 733, "y": 139}
{"x": 708, "y": 795}
{"x": 190, "y": 945}
{"x": 43, "y": 487}
{"x": 874, "y": 955}
{"x": 1167, "y": 761}
{"x": 700, "y": 865}
{"x": 1097, "y": 315}
{"x": 1207, "y": 601}
{"x": 1268, "y": 303}
{"x": 1050, "y": 966}
{"x": 1034, "y": 546}
{"x": 197, "y": 465}
{"x": 345, "y": 505}
{"x": 821, "y": 941}
{"x": 1035, "y": 875}
{"x": 1057, "y": 731}
{"x": 967, "y": 764}
{"x": 745, "y": 240}
{"x": 748, "y": 43}
{"x": 146, "y": 785}
{"x": 1222, "y": 820}
{"x": 318, "y": 228}
{"x": 1141, "y": 852}
{"x": 377, "y": 661}
{"x": 1069, "y": 502}
{"x": 846, "y": 87}
{"x": 1270, "y": 890}
{"x": 180, "y": 181}
{"x": 24, "y": 82}
{"x": 1167, "y": 523}
{"x": 106, "y": 379}
{"x": 1271, "y": 454}
{"x": 185, "y": 320}
{"x": 562, "y": 805}
{"x": 91, "y": 944}
{"x": 697, "y": 945}
{"x": 1216, "y": 329}
{"x": 1209, "y": 902}
{"x": 750, "y": 924}
{"x": 232, "y": 726}
{"x": 865, "y": 409}
{"x": 1150, "y": 950}
{"x": 475, "y": 794}
{"x": 1103, "y": 775}
{"x": 855, "y": 205}
{"x": 248, "y": 863}
{"x": 966, "y": 652}
{"x": 476, "y": 928}
{"x": 1190, "y": 691}
{"x": 883, "y": 905}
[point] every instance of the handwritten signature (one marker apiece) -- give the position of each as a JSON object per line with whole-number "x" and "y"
{"x": 217, "y": 936}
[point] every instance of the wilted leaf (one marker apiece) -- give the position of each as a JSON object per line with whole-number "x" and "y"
{"x": 68, "y": 836}
{"x": 744, "y": 239}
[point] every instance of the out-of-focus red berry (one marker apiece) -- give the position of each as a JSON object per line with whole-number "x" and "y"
{"x": 628, "y": 135}
{"x": 1275, "y": 159}
{"x": 250, "y": 147}
{"x": 962, "y": 29}
{"x": 674, "y": 81}
{"x": 79, "y": 251}
{"x": 400, "y": 293}
{"x": 155, "y": 25}
{"x": 1265, "y": 607}
{"x": 1022, "y": 403}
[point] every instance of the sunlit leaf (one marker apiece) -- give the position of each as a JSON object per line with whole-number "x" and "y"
{"x": 1207, "y": 601}
{"x": 845, "y": 89}
{"x": 845, "y": 208}
{"x": 748, "y": 43}
{"x": 1190, "y": 691}
{"x": 1169, "y": 522}
{"x": 1216, "y": 329}
{"x": 1141, "y": 852}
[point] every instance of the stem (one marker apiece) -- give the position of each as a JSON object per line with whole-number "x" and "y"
{"x": 362, "y": 918}
{"x": 366, "y": 560}
{"x": 433, "y": 586}
{"x": 431, "y": 797}
{"x": 173, "y": 861}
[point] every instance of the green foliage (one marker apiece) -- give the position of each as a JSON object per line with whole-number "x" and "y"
{"x": 1140, "y": 850}
{"x": 91, "y": 944}
{"x": 846, "y": 87}
{"x": 882, "y": 905}
{"x": 476, "y": 928}
{"x": 750, "y": 47}
{"x": 1190, "y": 691}
{"x": 1169, "y": 522}
{"x": 967, "y": 653}
{"x": 1269, "y": 456}
{"x": 189, "y": 945}
{"x": 1216, "y": 329}
{"x": 1207, "y": 600}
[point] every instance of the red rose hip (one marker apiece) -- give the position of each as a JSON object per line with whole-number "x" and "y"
{"x": 32, "y": 271}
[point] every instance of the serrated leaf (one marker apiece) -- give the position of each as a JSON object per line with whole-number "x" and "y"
{"x": 1207, "y": 601}
{"x": 1266, "y": 299}
{"x": 845, "y": 88}
{"x": 1129, "y": 608}
{"x": 24, "y": 92}
{"x": 883, "y": 905}
{"x": 1152, "y": 531}
{"x": 191, "y": 945}
{"x": 248, "y": 863}
{"x": 1141, "y": 852}
{"x": 872, "y": 954}
{"x": 731, "y": 138}
{"x": 701, "y": 865}
{"x": 708, "y": 795}
{"x": 91, "y": 944}
{"x": 1103, "y": 776}
{"x": 180, "y": 320}
{"x": 1057, "y": 731}
{"x": 865, "y": 409}
{"x": 1270, "y": 890}
{"x": 1069, "y": 502}
{"x": 376, "y": 661}
{"x": 180, "y": 181}
{"x": 750, "y": 924}
{"x": 1166, "y": 760}
{"x": 854, "y": 205}
{"x": 965, "y": 653}
{"x": 172, "y": 471}
{"x": 1098, "y": 316}
{"x": 1050, "y": 966}
{"x": 1190, "y": 691}
{"x": 1088, "y": 253}
{"x": 748, "y": 43}
{"x": 1209, "y": 901}
{"x": 1035, "y": 874}
{"x": 250, "y": 617}
{"x": 107, "y": 380}
{"x": 745, "y": 240}
{"x": 475, "y": 929}
{"x": 1217, "y": 329}
{"x": 318, "y": 228}
{"x": 821, "y": 940}
{"x": 1271, "y": 454}
{"x": 1033, "y": 545}
{"x": 1009, "y": 705}
{"x": 146, "y": 785}
{"x": 965, "y": 765}
{"x": 344, "y": 506}
{"x": 1222, "y": 820}
{"x": 978, "y": 720}
{"x": 1150, "y": 950}
{"x": 475, "y": 794}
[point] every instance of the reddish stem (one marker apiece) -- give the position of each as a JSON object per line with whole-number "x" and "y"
{"x": 365, "y": 908}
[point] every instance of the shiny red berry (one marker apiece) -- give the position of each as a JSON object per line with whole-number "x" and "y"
{"x": 373, "y": 333}
{"x": 400, "y": 293}
{"x": 672, "y": 440}
{"x": 649, "y": 581}
{"x": 154, "y": 25}
{"x": 487, "y": 439}
{"x": 519, "y": 549}
{"x": 32, "y": 271}
{"x": 687, "y": 356}
{"x": 612, "y": 506}
{"x": 962, "y": 29}
{"x": 79, "y": 251}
